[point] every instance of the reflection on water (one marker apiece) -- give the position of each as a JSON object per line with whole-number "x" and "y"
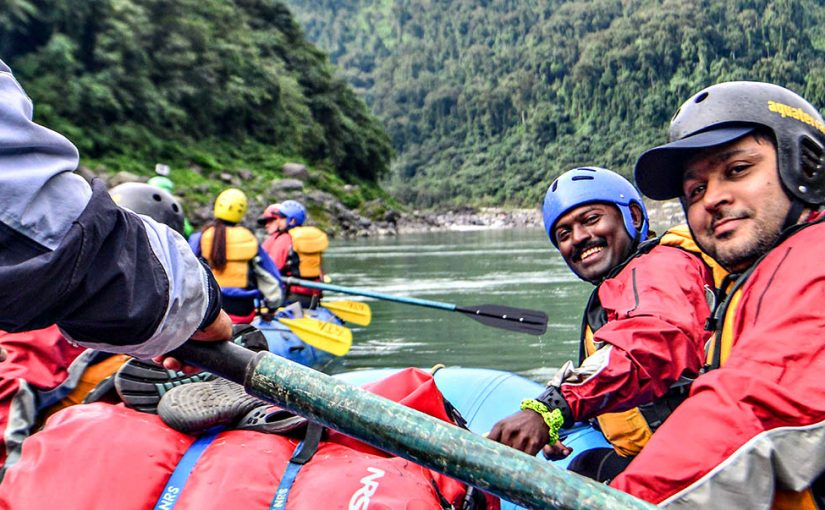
{"x": 517, "y": 268}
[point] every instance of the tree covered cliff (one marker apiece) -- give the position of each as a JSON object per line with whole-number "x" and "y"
{"x": 486, "y": 101}
{"x": 215, "y": 85}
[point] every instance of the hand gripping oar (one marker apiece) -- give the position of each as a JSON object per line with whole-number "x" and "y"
{"x": 350, "y": 311}
{"x": 326, "y": 336}
{"x": 420, "y": 438}
{"x": 532, "y": 322}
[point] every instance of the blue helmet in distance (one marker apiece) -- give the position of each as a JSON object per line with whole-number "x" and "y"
{"x": 294, "y": 211}
{"x": 587, "y": 185}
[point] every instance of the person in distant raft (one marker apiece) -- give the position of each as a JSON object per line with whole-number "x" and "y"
{"x": 243, "y": 269}
{"x": 643, "y": 332}
{"x": 295, "y": 249}
{"x": 166, "y": 184}
{"x": 747, "y": 161}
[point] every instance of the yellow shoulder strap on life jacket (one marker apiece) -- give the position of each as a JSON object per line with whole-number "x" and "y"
{"x": 241, "y": 244}
{"x": 680, "y": 237}
{"x": 309, "y": 243}
{"x": 589, "y": 343}
{"x": 206, "y": 242}
{"x": 627, "y": 431}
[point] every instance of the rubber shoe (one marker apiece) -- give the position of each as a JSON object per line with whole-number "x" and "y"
{"x": 141, "y": 384}
{"x": 271, "y": 419}
{"x": 194, "y": 408}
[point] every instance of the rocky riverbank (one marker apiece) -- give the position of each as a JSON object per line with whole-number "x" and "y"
{"x": 662, "y": 215}
{"x": 375, "y": 218}
{"x": 468, "y": 218}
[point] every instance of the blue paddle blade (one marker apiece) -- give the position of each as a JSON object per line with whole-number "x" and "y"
{"x": 532, "y": 322}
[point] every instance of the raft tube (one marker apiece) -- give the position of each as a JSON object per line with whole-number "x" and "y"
{"x": 484, "y": 396}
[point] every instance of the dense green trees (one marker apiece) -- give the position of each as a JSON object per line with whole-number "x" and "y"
{"x": 487, "y": 101}
{"x": 157, "y": 78}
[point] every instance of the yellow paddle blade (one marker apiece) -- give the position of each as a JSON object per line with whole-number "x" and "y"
{"x": 322, "y": 335}
{"x": 355, "y": 312}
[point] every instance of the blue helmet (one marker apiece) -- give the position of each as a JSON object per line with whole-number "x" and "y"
{"x": 294, "y": 211}
{"x": 588, "y": 185}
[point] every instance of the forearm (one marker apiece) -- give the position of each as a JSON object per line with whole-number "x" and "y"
{"x": 729, "y": 446}
{"x": 614, "y": 380}
{"x": 173, "y": 291}
{"x": 40, "y": 197}
{"x": 116, "y": 283}
{"x": 109, "y": 279}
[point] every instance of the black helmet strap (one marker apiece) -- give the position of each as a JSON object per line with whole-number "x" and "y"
{"x": 797, "y": 206}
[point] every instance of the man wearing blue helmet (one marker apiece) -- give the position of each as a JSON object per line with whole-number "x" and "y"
{"x": 642, "y": 336}
{"x": 279, "y": 219}
{"x": 295, "y": 249}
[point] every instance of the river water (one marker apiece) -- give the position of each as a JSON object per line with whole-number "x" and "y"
{"x": 515, "y": 267}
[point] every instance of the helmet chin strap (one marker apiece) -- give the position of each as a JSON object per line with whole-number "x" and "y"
{"x": 634, "y": 244}
{"x": 794, "y": 212}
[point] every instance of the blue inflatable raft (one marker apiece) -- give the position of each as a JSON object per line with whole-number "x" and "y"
{"x": 484, "y": 396}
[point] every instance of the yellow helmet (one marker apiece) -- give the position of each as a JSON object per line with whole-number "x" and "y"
{"x": 231, "y": 205}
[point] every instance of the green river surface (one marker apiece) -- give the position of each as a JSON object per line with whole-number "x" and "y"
{"x": 514, "y": 267}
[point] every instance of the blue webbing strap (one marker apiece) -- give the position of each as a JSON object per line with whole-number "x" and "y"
{"x": 288, "y": 478}
{"x": 303, "y": 452}
{"x": 169, "y": 497}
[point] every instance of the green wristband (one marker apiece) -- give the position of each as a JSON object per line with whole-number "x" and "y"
{"x": 553, "y": 419}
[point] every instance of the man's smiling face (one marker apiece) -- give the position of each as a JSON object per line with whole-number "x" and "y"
{"x": 592, "y": 240}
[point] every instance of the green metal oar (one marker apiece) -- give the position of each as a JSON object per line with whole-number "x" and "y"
{"x": 355, "y": 312}
{"x": 532, "y": 322}
{"x": 420, "y": 438}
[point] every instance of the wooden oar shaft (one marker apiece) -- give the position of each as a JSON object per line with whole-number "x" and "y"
{"x": 425, "y": 440}
{"x": 368, "y": 293}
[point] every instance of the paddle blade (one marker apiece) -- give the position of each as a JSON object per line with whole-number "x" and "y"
{"x": 355, "y": 312}
{"x": 322, "y": 335}
{"x": 532, "y": 322}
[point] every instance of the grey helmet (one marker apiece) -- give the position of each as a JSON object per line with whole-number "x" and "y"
{"x": 151, "y": 201}
{"x": 727, "y": 111}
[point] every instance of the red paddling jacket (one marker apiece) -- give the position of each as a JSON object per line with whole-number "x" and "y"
{"x": 642, "y": 332}
{"x": 756, "y": 424}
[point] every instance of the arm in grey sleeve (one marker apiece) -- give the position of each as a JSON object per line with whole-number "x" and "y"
{"x": 110, "y": 279}
{"x": 40, "y": 196}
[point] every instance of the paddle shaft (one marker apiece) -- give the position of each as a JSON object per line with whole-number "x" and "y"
{"x": 368, "y": 293}
{"x": 402, "y": 431}
{"x": 532, "y": 322}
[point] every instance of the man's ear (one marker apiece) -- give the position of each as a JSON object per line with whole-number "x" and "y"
{"x": 636, "y": 214}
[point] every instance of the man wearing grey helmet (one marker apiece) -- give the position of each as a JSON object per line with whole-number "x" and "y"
{"x": 746, "y": 161}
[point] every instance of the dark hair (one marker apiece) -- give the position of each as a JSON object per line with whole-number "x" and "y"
{"x": 217, "y": 256}
{"x": 764, "y": 134}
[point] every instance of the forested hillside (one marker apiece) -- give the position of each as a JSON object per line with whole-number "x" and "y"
{"x": 212, "y": 85}
{"x": 487, "y": 100}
